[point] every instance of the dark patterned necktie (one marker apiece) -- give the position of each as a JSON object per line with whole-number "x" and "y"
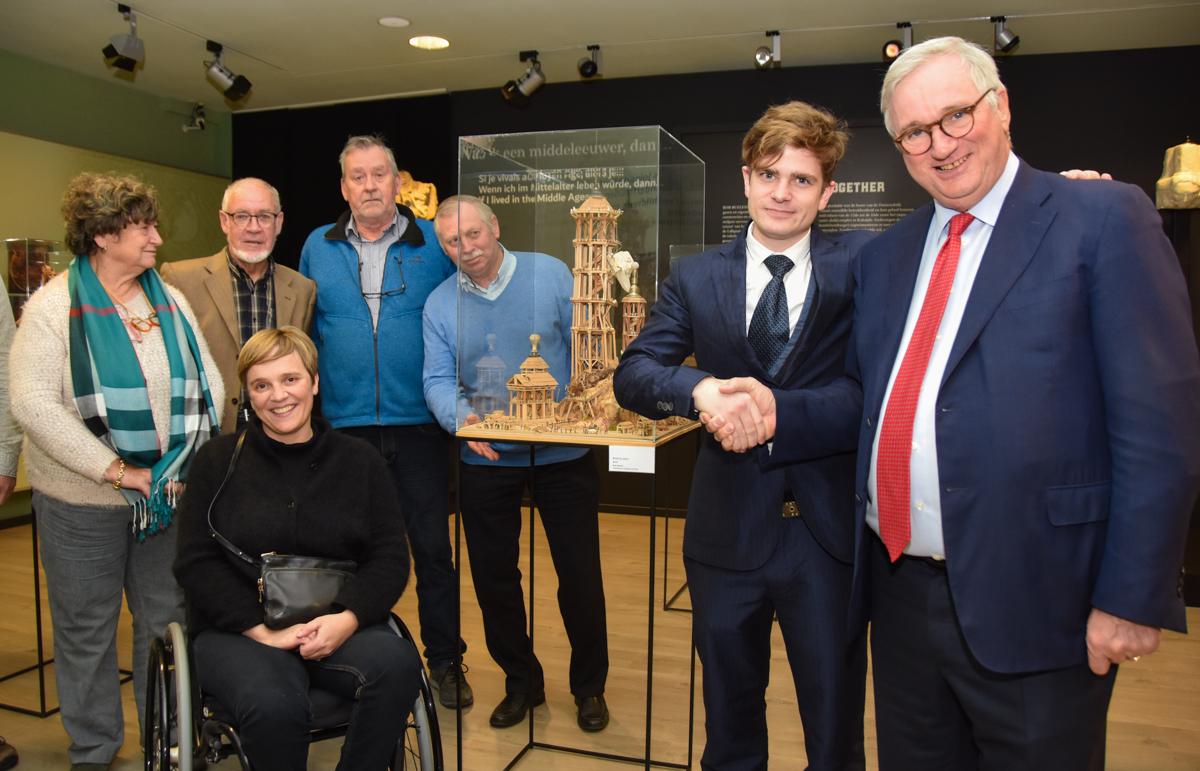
{"x": 769, "y": 325}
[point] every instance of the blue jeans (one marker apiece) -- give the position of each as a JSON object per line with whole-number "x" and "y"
{"x": 267, "y": 691}
{"x": 419, "y": 459}
{"x": 90, "y": 557}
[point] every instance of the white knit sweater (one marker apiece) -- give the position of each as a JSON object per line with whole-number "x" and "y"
{"x": 64, "y": 459}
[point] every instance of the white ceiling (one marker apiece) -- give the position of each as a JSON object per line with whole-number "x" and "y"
{"x": 304, "y": 51}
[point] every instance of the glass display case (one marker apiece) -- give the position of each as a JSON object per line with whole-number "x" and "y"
{"x": 31, "y": 263}
{"x": 590, "y": 219}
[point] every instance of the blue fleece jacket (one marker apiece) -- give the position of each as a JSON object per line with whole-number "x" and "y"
{"x": 495, "y": 338}
{"x": 372, "y": 376}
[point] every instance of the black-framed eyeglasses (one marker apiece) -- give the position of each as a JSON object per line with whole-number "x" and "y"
{"x": 956, "y": 124}
{"x": 387, "y": 292}
{"x": 240, "y": 218}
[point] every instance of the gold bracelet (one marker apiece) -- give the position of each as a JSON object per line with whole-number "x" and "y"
{"x": 120, "y": 474}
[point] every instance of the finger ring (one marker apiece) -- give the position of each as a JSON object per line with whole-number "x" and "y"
{"x": 1135, "y": 658}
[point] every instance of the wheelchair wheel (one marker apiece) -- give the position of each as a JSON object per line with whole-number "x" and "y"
{"x": 421, "y": 745}
{"x": 420, "y": 749}
{"x": 169, "y": 742}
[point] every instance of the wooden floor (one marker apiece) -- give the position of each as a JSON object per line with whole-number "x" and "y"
{"x": 1154, "y": 722}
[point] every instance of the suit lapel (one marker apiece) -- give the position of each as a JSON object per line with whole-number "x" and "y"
{"x": 1023, "y": 221}
{"x": 903, "y": 258}
{"x": 729, "y": 289}
{"x": 824, "y": 257}
{"x": 217, "y": 284}
{"x": 285, "y": 298}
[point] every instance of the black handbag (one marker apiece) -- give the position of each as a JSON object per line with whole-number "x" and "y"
{"x": 292, "y": 588}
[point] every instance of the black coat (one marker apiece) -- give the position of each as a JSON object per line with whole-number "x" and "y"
{"x": 329, "y": 497}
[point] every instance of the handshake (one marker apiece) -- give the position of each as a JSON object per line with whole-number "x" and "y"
{"x": 738, "y": 412}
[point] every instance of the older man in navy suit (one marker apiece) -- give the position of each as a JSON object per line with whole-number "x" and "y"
{"x": 774, "y": 304}
{"x": 1026, "y": 387}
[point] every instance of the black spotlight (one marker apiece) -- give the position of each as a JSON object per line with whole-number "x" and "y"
{"x": 517, "y": 92}
{"x": 125, "y": 52}
{"x": 893, "y": 48}
{"x": 589, "y": 66}
{"x": 234, "y": 87}
{"x": 1005, "y": 41}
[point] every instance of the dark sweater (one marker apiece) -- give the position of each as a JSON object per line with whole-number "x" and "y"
{"x": 329, "y": 497}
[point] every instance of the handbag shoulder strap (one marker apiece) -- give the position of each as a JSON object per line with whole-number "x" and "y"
{"x": 237, "y": 450}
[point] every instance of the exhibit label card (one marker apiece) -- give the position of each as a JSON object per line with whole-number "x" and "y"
{"x": 633, "y": 460}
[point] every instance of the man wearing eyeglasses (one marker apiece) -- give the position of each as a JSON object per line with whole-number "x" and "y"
{"x": 241, "y": 289}
{"x": 374, "y": 269}
{"x": 1029, "y": 437}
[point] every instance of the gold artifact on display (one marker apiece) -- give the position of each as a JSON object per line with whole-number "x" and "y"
{"x": 1179, "y": 187}
{"x": 420, "y": 197}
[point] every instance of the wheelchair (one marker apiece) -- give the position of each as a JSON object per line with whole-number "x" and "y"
{"x": 185, "y": 730}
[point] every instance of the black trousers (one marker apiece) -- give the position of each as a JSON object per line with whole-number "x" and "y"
{"x": 567, "y": 498}
{"x": 419, "y": 459}
{"x": 267, "y": 691}
{"x": 809, "y": 591}
{"x": 937, "y": 708}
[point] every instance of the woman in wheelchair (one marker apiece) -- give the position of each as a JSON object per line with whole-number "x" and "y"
{"x": 297, "y": 487}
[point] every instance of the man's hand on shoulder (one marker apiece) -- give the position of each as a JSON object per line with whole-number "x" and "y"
{"x": 1112, "y": 640}
{"x": 1085, "y": 174}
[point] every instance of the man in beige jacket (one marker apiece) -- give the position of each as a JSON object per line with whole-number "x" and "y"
{"x": 241, "y": 289}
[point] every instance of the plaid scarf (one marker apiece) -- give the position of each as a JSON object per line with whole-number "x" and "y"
{"x": 110, "y": 390}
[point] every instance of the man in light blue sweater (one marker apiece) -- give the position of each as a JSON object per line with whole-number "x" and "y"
{"x": 477, "y": 327}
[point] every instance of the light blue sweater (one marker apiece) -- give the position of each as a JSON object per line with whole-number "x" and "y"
{"x": 469, "y": 373}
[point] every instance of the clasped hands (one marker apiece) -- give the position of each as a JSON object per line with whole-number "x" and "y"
{"x": 314, "y": 640}
{"x": 738, "y": 412}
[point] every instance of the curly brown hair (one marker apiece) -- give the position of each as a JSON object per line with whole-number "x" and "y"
{"x": 103, "y": 204}
{"x": 796, "y": 124}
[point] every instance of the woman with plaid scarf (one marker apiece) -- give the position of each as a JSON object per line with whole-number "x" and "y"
{"x": 109, "y": 384}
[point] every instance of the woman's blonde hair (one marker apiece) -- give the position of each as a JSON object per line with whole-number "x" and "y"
{"x": 271, "y": 344}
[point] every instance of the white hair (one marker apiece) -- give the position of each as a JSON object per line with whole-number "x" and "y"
{"x": 979, "y": 63}
{"x": 237, "y": 184}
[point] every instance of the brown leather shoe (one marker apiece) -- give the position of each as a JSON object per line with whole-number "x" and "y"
{"x": 512, "y": 710}
{"x": 593, "y": 713}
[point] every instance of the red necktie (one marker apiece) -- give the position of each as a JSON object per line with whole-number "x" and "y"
{"x": 894, "y": 457}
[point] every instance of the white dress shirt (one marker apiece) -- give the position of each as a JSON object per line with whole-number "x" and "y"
{"x": 925, "y": 508}
{"x": 795, "y": 281}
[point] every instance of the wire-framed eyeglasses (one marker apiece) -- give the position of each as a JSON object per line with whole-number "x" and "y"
{"x": 956, "y": 124}
{"x": 386, "y": 292}
{"x": 241, "y": 218}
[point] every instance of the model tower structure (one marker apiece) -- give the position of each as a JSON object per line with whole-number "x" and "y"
{"x": 633, "y": 313}
{"x": 593, "y": 337}
{"x": 531, "y": 390}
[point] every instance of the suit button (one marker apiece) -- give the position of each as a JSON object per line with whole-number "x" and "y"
{"x": 234, "y": 399}
{"x": 857, "y": 498}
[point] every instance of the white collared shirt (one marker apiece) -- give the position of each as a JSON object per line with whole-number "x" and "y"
{"x": 508, "y": 266}
{"x": 795, "y": 281}
{"x": 925, "y": 508}
{"x": 372, "y": 258}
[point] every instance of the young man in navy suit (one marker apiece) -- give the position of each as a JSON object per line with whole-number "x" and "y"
{"x": 774, "y": 304}
{"x": 1026, "y": 387}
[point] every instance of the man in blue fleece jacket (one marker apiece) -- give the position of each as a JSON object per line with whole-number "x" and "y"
{"x": 498, "y": 300}
{"x": 374, "y": 268}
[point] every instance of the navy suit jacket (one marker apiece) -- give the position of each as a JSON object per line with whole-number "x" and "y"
{"x": 1068, "y": 419}
{"x": 733, "y": 518}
